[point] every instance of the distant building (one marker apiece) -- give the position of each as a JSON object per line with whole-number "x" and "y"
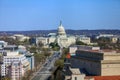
{"x": 105, "y": 35}
{"x": 3, "y": 44}
{"x": 11, "y": 48}
{"x": 84, "y": 39}
{"x": 43, "y": 40}
{"x": 114, "y": 39}
{"x": 60, "y": 37}
{"x": 111, "y": 37}
{"x": 20, "y": 37}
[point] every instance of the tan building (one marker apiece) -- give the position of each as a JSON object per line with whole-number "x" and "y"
{"x": 84, "y": 39}
{"x": 20, "y": 37}
{"x": 43, "y": 40}
{"x": 114, "y": 39}
{"x": 101, "y": 62}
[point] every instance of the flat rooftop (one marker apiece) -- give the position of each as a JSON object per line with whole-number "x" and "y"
{"x": 10, "y": 46}
{"x": 104, "y": 51}
{"x": 75, "y": 71}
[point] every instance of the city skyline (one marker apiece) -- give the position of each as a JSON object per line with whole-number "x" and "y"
{"x": 46, "y": 14}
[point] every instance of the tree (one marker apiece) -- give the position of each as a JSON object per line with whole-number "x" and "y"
{"x": 65, "y": 50}
{"x": 104, "y": 40}
{"x": 59, "y": 75}
{"x": 33, "y": 49}
{"x": 40, "y": 44}
{"x": 6, "y": 78}
{"x": 59, "y": 63}
{"x": 26, "y": 42}
{"x": 39, "y": 58}
{"x": 80, "y": 43}
{"x": 54, "y": 46}
{"x": 104, "y": 43}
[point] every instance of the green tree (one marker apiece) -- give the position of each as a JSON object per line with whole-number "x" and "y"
{"x": 65, "y": 50}
{"x": 59, "y": 75}
{"x": 54, "y": 46}
{"x": 6, "y": 78}
{"x": 40, "y": 44}
{"x": 104, "y": 40}
{"x": 59, "y": 63}
{"x": 26, "y": 42}
{"x": 33, "y": 49}
{"x": 80, "y": 43}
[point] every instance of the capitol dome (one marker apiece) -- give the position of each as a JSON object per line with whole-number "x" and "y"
{"x": 61, "y": 30}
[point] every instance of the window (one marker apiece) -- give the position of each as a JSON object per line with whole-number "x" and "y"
{"x": 75, "y": 78}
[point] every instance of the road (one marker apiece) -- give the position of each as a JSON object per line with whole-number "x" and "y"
{"x": 46, "y": 70}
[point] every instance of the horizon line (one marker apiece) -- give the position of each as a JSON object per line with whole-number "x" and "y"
{"x": 53, "y": 29}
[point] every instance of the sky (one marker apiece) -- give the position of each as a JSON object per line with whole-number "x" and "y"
{"x": 24, "y": 15}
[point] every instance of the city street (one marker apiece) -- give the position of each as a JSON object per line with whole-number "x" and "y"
{"x": 46, "y": 70}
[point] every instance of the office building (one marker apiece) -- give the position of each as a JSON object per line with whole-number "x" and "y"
{"x": 97, "y": 62}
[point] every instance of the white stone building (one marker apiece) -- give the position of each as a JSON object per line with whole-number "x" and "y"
{"x": 3, "y": 44}
{"x": 60, "y": 37}
{"x": 84, "y": 39}
{"x": 105, "y": 35}
{"x": 20, "y": 37}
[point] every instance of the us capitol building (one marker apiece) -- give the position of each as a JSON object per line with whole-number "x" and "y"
{"x": 60, "y": 37}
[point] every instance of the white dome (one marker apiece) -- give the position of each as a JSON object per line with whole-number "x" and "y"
{"x": 61, "y": 30}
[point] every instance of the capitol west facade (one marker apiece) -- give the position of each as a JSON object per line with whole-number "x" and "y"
{"x": 60, "y": 37}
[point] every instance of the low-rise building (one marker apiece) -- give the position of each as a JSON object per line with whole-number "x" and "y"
{"x": 43, "y": 40}
{"x": 84, "y": 39}
{"x": 10, "y": 48}
{"x": 114, "y": 39}
{"x": 73, "y": 74}
{"x": 21, "y": 37}
{"x": 3, "y": 44}
{"x": 105, "y": 35}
